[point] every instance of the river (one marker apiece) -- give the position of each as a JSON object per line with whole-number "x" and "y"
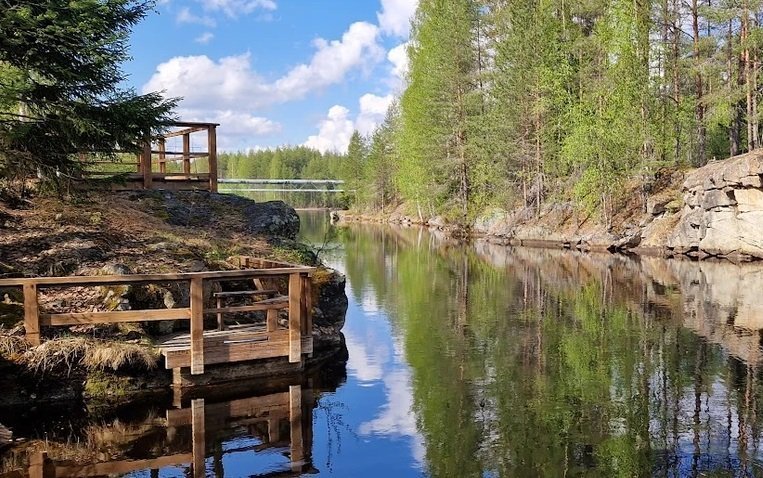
{"x": 473, "y": 360}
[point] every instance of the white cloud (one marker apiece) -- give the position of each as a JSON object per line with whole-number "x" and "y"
{"x": 398, "y": 56}
{"x": 232, "y": 82}
{"x": 186, "y": 16}
{"x": 333, "y": 60}
{"x": 373, "y": 109}
{"x": 334, "y": 132}
{"x": 395, "y": 16}
{"x": 204, "y": 38}
{"x": 234, "y": 8}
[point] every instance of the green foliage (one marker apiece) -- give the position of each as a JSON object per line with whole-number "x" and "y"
{"x": 60, "y": 89}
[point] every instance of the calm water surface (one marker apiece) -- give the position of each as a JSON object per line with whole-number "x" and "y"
{"x": 473, "y": 360}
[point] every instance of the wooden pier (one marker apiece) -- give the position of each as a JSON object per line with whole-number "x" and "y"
{"x": 196, "y": 430}
{"x": 200, "y": 347}
{"x": 156, "y": 167}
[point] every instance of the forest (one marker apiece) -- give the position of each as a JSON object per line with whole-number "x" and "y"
{"x": 515, "y": 103}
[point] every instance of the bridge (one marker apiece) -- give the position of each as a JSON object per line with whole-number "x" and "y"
{"x": 298, "y": 185}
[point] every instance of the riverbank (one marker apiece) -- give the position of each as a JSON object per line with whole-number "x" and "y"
{"x": 712, "y": 211}
{"x": 132, "y": 233}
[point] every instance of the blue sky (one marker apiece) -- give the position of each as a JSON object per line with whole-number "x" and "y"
{"x": 275, "y": 72}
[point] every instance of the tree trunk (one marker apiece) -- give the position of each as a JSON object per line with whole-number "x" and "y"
{"x": 699, "y": 109}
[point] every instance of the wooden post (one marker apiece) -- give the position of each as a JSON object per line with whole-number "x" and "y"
{"x": 146, "y": 160}
{"x": 199, "y": 439}
{"x": 295, "y": 428}
{"x": 212, "y": 150}
{"x": 187, "y": 153}
{"x": 37, "y": 464}
{"x": 197, "y": 326}
{"x": 272, "y": 322}
{"x": 274, "y": 432}
{"x": 31, "y": 314}
{"x": 139, "y": 162}
{"x": 162, "y": 155}
{"x": 220, "y": 322}
{"x": 295, "y": 318}
{"x": 307, "y": 306}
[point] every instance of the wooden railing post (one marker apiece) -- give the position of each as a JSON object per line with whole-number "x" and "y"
{"x": 198, "y": 435}
{"x": 295, "y": 318}
{"x": 187, "y": 153}
{"x": 212, "y": 151}
{"x": 146, "y": 160}
{"x": 162, "y": 155}
{"x": 31, "y": 314}
{"x": 197, "y": 326}
{"x": 307, "y": 306}
{"x": 295, "y": 428}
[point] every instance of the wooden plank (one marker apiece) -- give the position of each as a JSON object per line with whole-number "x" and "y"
{"x": 174, "y": 134}
{"x": 86, "y": 281}
{"x": 199, "y": 438}
{"x": 31, "y": 314}
{"x": 162, "y": 155}
{"x": 249, "y": 308}
{"x": 244, "y": 293}
{"x": 180, "y": 357}
{"x": 295, "y": 318}
{"x": 272, "y": 320}
{"x": 37, "y": 465}
{"x": 115, "y": 317}
{"x": 212, "y": 148}
{"x": 197, "y": 326}
{"x": 147, "y": 173}
{"x": 122, "y": 467}
{"x": 307, "y": 305}
{"x": 243, "y": 408}
{"x": 295, "y": 428}
{"x": 187, "y": 153}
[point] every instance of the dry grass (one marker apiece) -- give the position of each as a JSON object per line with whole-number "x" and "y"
{"x": 68, "y": 353}
{"x": 11, "y": 346}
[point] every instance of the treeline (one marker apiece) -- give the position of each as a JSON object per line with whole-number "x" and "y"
{"x": 288, "y": 162}
{"x": 515, "y": 101}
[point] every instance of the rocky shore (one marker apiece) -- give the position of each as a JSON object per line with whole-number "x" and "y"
{"x": 712, "y": 211}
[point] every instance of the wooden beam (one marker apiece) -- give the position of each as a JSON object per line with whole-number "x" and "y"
{"x": 187, "y": 153}
{"x": 162, "y": 155}
{"x": 212, "y": 148}
{"x": 31, "y": 314}
{"x": 198, "y": 432}
{"x": 194, "y": 129}
{"x": 146, "y": 157}
{"x": 122, "y": 467}
{"x": 37, "y": 464}
{"x": 197, "y": 326}
{"x": 295, "y": 428}
{"x": 95, "y": 281}
{"x": 115, "y": 317}
{"x": 295, "y": 318}
{"x": 307, "y": 305}
{"x": 272, "y": 320}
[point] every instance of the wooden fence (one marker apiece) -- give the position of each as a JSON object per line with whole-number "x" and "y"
{"x": 201, "y": 347}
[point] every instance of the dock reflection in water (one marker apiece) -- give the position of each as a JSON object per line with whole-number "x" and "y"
{"x": 267, "y": 433}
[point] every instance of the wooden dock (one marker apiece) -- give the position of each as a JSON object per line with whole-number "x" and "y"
{"x": 199, "y": 347}
{"x": 157, "y": 167}
{"x": 266, "y": 418}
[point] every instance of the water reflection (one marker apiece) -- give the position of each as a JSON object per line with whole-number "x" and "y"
{"x": 477, "y": 360}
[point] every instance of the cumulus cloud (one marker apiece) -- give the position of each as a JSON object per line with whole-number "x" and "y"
{"x": 204, "y": 38}
{"x": 373, "y": 109}
{"x": 395, "y": 16}
{"x": 232, "y": 81}
{"x": 334, "y": 131}
{"x": 398, "y": 56}
{"x": 333, "y": 60}
{"x": 186, "y": 16}
{"x": 234, "y": 8}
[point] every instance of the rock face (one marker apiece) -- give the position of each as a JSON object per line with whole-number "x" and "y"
{"x": 329, "y": 312}
{"x": 196, "y": 208}
{"x": 723, "y": 209}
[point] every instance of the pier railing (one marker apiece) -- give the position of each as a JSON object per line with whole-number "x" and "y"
{"x": 199, "y": 348}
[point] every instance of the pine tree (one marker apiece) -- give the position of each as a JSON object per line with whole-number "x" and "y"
{"x": 60, "y": 81}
